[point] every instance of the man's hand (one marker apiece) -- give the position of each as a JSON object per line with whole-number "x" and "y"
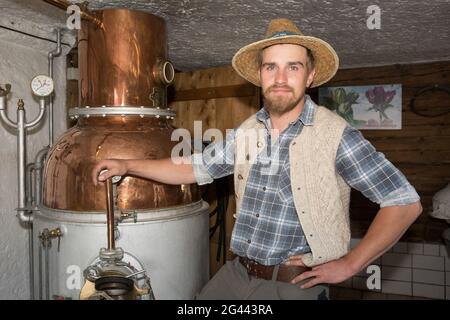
{"x": 114, "y": 167}
{"x": 334, "y": 271}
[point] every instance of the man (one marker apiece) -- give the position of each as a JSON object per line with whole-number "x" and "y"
{"x": 292, "y": 230}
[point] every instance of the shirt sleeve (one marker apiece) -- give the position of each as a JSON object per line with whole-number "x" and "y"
{"x": 216, "y": 160}
{"x": 369, "y": 172}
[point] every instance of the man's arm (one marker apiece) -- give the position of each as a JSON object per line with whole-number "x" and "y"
{"x": 177, "y": 171}
{"x": 217, "y": 160}
{"x": 386, "y": 229}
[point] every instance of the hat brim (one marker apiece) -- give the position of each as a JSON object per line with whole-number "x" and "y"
{"x": 246, "y": 60}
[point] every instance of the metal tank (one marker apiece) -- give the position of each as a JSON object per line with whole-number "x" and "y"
{"x": 123, "y": 114}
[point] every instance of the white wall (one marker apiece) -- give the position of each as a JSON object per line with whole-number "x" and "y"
{"x": 19, "y": 62}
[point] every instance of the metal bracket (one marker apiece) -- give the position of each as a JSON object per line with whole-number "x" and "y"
{"x": 158, "y": 97}
{"x": 128, "y": 215}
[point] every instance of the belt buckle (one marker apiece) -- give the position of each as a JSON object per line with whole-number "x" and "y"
{"x": 248, "y": 265}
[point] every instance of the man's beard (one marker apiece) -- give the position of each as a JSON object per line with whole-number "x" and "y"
{"x": 281, "y": 104}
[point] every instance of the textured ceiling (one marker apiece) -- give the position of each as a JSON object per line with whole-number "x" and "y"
{"x": 206, "y": 33}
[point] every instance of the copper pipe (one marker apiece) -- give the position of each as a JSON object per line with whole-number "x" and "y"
{"x": 84, "y": 13}
{"x": 110, "y": 213}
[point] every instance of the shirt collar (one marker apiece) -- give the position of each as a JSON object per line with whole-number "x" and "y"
{"x": 306, "y": 116}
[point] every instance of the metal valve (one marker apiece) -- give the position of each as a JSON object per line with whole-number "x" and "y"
{"x": 47, "y": 235}
{"x": 4, "y": 92}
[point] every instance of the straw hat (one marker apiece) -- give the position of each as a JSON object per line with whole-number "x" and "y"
{"x": 246, "y": 60}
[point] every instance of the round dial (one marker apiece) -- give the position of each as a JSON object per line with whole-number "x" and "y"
{"x": 42, "y": 85}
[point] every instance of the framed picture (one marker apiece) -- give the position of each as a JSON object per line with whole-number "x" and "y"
{"x": 366, "y": 107}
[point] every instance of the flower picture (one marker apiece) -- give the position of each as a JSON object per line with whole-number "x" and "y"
{"x": 365, "y": 107}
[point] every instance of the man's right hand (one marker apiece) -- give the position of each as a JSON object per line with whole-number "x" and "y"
{"x": 113, "y": 167}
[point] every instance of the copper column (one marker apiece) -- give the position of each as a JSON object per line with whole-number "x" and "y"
{"x": 122, "y": 114}
{"x": 110, "y": 213}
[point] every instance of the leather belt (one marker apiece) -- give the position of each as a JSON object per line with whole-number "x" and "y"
{"x": 260, "y": 271}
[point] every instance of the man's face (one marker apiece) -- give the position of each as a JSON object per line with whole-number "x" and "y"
{"x": 284, "y": 77}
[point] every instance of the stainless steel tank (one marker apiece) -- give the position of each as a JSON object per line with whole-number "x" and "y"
{"x": 122, "y": 114}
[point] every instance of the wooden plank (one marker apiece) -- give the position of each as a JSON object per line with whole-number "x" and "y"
{"x": 243, "y": 90}
{"x": 207, "y": 78}
{"x": 418, "y": 157}
{"x": 408, "y": 75}
{"x": 429, "y": 171}
{"x": 410, "y": 131}
{"x": 411, "y": 143}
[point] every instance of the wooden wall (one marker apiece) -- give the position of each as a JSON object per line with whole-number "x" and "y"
{"x": 421, "y": 149}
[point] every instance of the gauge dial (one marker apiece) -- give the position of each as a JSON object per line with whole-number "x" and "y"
{"x": 42, "y": 85}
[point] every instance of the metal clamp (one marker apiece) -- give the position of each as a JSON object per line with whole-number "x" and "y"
{"x": 123, "y": 111}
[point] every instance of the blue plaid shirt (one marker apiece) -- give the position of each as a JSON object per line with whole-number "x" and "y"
{"x": 267, "y": 228}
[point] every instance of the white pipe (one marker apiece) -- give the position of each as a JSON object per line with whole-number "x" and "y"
{"x": 3, "y": 114}
{"x": 30, "y": 184}
{"x": 29, "y": 201}
{"x": 40, "y": 284}
{"x": 40, "y": 115}
{"x": 38, "y": 165}
{"x": 51, "y": 55}
{"x": 30, "y": 259}
{"x": 47, "y": 271}
{"x": 22, "y": 126}
{"x": 21, "y": 163}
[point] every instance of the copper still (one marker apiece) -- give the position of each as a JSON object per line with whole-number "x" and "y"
{"x": 161, "y": 231}
{"x": 123, "y": 114}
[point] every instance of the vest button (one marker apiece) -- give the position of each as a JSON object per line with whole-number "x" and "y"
{"x": 240, "y": 177}
{"x": 294, "y": 143}
{"x": 298, "y": 188}
{"x": 259, "y": 144}
{"x": 247, "y": 157}
{"x": 310, "y": 235}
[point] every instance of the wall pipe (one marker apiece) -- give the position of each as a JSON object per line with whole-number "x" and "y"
{"x": 24, "y": 213}
{"x": 38, "y": 166}
{"x": 30, "y": 185}
{"x": 29, "y": 203}
{"x": 51, "y": 56}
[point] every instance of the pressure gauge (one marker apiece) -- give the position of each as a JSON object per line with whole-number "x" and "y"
{"x": 42, "y": 85}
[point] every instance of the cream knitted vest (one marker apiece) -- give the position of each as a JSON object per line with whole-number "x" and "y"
{"x": 321, "y": 196}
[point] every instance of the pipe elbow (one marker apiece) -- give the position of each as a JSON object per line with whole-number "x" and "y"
{"x": 25, "y": 217}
